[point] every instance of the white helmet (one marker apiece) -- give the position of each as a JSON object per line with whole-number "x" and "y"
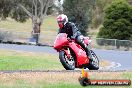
{"x": 62, "y": 20}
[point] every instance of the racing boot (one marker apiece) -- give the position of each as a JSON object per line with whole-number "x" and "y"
{"x": 88, "y": 53}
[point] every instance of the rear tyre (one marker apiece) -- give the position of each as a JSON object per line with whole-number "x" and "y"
{"x": 94, "y": 63}
{"x": 68, "y": 63}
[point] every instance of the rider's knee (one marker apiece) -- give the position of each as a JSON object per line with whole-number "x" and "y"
{"x": 80, "y": 39}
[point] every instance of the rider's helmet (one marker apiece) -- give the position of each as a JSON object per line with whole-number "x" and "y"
{"x": 62, "y": 20}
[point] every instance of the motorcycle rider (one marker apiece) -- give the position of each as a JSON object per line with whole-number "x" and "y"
{"x": 72, "y": 32}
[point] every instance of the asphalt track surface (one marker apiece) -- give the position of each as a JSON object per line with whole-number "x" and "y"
{"x": 120, "y": 60}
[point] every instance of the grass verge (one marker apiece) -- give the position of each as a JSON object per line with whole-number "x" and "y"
{"x": 9, "y": 24}
{"x": 20, "y": 60}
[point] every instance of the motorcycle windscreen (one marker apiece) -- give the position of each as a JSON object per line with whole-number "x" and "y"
{"x": 60, "y": 41}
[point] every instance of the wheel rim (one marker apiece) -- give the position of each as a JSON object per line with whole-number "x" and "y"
{"x": 95, "y": 60}
{"x": 70, "y": 61}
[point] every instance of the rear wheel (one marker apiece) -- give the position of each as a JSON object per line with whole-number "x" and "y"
{"x": 68, "y": 63}
{"x": 94, "y": 63}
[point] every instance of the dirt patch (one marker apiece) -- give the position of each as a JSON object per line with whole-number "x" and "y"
{"x": 33, "y": 78}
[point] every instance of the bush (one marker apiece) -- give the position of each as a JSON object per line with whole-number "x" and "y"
{"x": 117, "y": 22}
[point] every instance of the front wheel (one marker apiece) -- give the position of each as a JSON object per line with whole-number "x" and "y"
{"x": 68, "y": 63}
{"x": 94, "y": 63}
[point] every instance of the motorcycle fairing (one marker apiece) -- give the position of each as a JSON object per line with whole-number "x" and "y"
{"x": 60, "y": 41}
{"x": 80, "y": 54}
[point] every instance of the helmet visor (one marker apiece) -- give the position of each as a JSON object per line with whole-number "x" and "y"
{"x": 61, "y": 24}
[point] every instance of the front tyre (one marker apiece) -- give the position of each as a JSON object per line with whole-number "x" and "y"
{"x": 68, "y": 63}
{"x": 94, "y": 63}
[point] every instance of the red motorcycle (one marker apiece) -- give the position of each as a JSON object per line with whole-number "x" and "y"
{"x": 72, "y": 55}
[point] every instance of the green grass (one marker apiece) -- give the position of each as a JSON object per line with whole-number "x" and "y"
{"x": 21, "y": 60}
{"x": 18, "y": 60}
{"x": 60, "y": 85}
